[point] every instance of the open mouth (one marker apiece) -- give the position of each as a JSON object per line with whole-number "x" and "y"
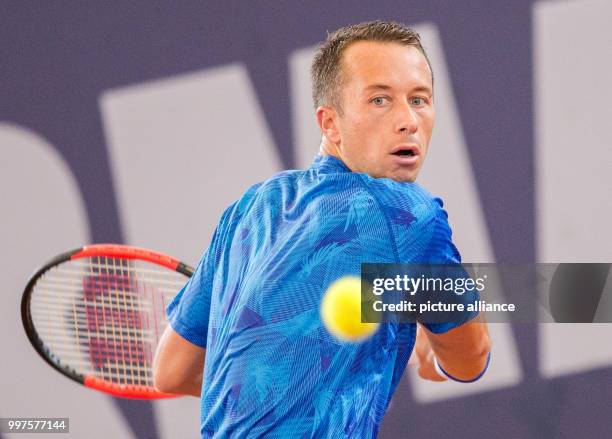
{"x": 404, "y": 153}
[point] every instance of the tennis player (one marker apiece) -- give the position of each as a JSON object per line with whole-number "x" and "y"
{"x": 245, "y": 331}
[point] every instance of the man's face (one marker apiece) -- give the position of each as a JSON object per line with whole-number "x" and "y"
{"x": 387, "y": 110}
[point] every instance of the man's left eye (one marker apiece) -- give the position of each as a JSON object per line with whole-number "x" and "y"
{"x": 417, "y": 101}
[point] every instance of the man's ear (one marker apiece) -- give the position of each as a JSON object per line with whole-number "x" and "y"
{"x": 327, "y": 119}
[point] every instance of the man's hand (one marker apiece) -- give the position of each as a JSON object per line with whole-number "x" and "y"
{"x": 424, "y": 355}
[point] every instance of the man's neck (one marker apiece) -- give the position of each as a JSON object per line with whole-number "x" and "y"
{"x": 327, "y": 148}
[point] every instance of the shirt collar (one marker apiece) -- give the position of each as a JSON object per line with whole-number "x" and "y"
{"x": 328, "y": 164}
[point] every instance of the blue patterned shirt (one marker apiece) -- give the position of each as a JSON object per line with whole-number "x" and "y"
{"x": 272, "y": 369}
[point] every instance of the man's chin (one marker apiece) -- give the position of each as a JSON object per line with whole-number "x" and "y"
{"x": 397, "y": 174}
{"x": 404, "y": 176}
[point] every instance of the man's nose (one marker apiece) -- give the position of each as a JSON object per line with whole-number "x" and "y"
{"x": 407, "y": 119}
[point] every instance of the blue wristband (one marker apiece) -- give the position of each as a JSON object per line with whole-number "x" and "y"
{"x": 444, "y": 373}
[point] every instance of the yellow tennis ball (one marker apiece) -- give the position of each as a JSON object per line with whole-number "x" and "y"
{"x": 341, "y": 311}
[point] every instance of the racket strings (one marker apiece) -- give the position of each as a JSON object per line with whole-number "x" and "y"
{"x": 104, "y": 316}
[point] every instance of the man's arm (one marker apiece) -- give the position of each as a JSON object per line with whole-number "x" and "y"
{"x": 178, "y": 365}
{"x": 462, "y": 352}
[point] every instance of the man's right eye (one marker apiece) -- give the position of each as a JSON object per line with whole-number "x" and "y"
{"x": 378, "y": 100}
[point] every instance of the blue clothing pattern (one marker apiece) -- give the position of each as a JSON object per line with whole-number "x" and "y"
{"x": 272, "y": 370}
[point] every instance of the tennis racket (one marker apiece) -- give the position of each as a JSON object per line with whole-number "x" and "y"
{"x": 96, "y": 314}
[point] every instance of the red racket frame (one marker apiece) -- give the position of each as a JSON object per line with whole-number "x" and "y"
{"x": 96, "y": 250}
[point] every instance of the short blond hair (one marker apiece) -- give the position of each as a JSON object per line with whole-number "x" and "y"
{"x": 326, "y": 73}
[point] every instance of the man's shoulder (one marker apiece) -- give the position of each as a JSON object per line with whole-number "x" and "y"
{"x": 274, "y": 184}
{"x": 385, "y": 192}
{"x": 398, "y": 193}
{"x": 276, "y": 181}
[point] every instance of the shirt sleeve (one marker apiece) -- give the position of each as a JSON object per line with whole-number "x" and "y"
{"x": 445, "y": 252}
{"x": 189, "y": 312}
{"x": 421, "y": 235}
